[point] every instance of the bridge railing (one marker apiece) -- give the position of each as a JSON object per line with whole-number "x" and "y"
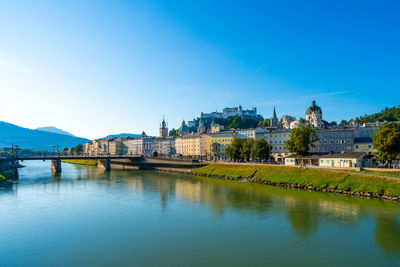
{"x": 76, "y": 157}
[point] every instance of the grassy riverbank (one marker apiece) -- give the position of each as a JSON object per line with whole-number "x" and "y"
{"x": 81, "y": 162}
{"x": 4, "y": 175}
{"x": 393, "y": 174}
{"x": 317, "y": 179}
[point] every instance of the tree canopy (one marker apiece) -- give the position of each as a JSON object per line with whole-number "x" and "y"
{"x": 301, "y": 139}
{"x": 260, "y": 150}
{"x": 387, "y": 141}
{"x": 237, "y": 122}
{"x": 247, "y": 149}
{"x": 235, "y": 148}
{"x": 388, "y": 114}
{"x": 173, "y": 132}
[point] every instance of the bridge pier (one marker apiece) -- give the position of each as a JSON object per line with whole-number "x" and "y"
{"x": 56, "y": 165}
{"x": 104, "y": 164}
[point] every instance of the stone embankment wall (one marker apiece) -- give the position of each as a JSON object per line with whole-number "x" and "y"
{"x": 170, "y": 165}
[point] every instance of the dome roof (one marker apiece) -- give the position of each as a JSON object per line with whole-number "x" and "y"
{"x": 313, "y": 109}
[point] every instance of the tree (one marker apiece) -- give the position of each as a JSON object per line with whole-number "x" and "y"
{"x": 301, "y": 139}
{"x": 235, "y": 122}
{"x": 343, "y": 123}
{"x": 333, "y": 124}
{"x": 173, "y": 132}
{"x": 387, "y": 142}
{"x": 260, "y": 150}
{"x": 246, "y": 149}
{"x": 79, "y": 148}
{"x": 234, "y": 149}
{"x": 215, "y": 147}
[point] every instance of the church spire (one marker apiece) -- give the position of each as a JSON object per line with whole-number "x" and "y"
{"x": 274, "y": 119}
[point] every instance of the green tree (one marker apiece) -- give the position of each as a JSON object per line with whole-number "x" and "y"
{"x": 246, "y": 149}
{"x": 260, "y": 150}
{"x": 215, "y": 148}
{"x": 301, "y": 139}
{"x": 173, "y": 132}
{"x": 387, "y": 142}
{"x": 79, "y": 148}
{"x": 235, "y": 123}
{"x": 235, "y": 148}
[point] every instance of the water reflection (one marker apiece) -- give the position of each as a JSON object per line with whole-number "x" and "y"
{"x": 305, "y": 212}
{"x": 303, "y": 215}
{"x": 387, "y": 233}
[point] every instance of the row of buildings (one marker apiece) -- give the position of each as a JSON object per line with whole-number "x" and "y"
{"x": 210, "y": 142}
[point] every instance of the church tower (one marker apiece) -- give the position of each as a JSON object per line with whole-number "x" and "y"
{"x": 163, "y": 129}
{"x": 274, "y": 119}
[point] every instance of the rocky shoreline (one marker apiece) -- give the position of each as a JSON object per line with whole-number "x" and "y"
{"x": 294, "y": 186}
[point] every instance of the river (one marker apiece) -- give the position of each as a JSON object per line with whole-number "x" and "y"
{"x": 87, "y": 216}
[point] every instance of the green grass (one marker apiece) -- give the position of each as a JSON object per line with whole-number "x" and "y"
{"x": 226, "y": 170}
{"x": 4, "y": 175}
{"x": 394, "y": 174}
{"x": 306, "y": 177}
{"x": 81, "y": 161}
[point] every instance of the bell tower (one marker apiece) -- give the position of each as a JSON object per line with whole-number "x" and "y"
{"x": 163, "y": 129}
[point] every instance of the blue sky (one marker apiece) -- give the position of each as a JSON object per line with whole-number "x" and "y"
{"x": 99, "y": 67}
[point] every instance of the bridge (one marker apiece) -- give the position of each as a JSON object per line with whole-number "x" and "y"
{"x": 103, "y": 161}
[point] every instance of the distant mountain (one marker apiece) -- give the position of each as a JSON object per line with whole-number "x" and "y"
{"x": 123, "y": 135}
{"x": 35, "y": 139}
{"x": 52, "y": 129}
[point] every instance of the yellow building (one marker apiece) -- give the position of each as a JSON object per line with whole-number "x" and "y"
{"x": 216, "y": 128}
{"x": 217, "y": 143}
{"x": 191, "y": 145}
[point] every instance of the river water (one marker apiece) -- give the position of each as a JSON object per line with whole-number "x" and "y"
{"x": 88, "y": 217}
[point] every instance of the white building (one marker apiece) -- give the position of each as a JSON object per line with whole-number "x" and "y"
{"x": 314, "y": 115}
{"x": 140, "y": 146}
{"x": 164, "y": 146}
{"x": 230, "y": 112}
{"x": 250, "y": 133}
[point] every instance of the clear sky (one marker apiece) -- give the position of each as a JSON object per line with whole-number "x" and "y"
{"x": 99, "y": 67}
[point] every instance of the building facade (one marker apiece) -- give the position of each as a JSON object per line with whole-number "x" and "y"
{"x": 334, "y": 140}
{"x": 314, "y": 115}
{"x": 217, "y": 143}
{"x": 163, "y": 129}
{"x": 231, "y": 112}
{"x": 191, "y": 145}
{"x": 164, "y": 146}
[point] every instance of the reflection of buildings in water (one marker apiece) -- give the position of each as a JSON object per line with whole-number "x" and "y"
{"x": 304, "y": 214}
{"x": 344, "y": 211}
{"x": 188, "y": 190}
{"x": 55, "y": 177}
{"x": 136, "y": 184}
{"x": 162, "y": 182}
{"x": 221, "y": 196}
{"x": 387, "y": 233}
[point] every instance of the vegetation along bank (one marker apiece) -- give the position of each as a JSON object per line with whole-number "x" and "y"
{"x": 4, "y": 176}
{"x": 81, "y": 161}
{"x": 309, "y": 179}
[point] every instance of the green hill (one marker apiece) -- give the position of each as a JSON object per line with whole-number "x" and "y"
{"x": 388, "y": 114}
